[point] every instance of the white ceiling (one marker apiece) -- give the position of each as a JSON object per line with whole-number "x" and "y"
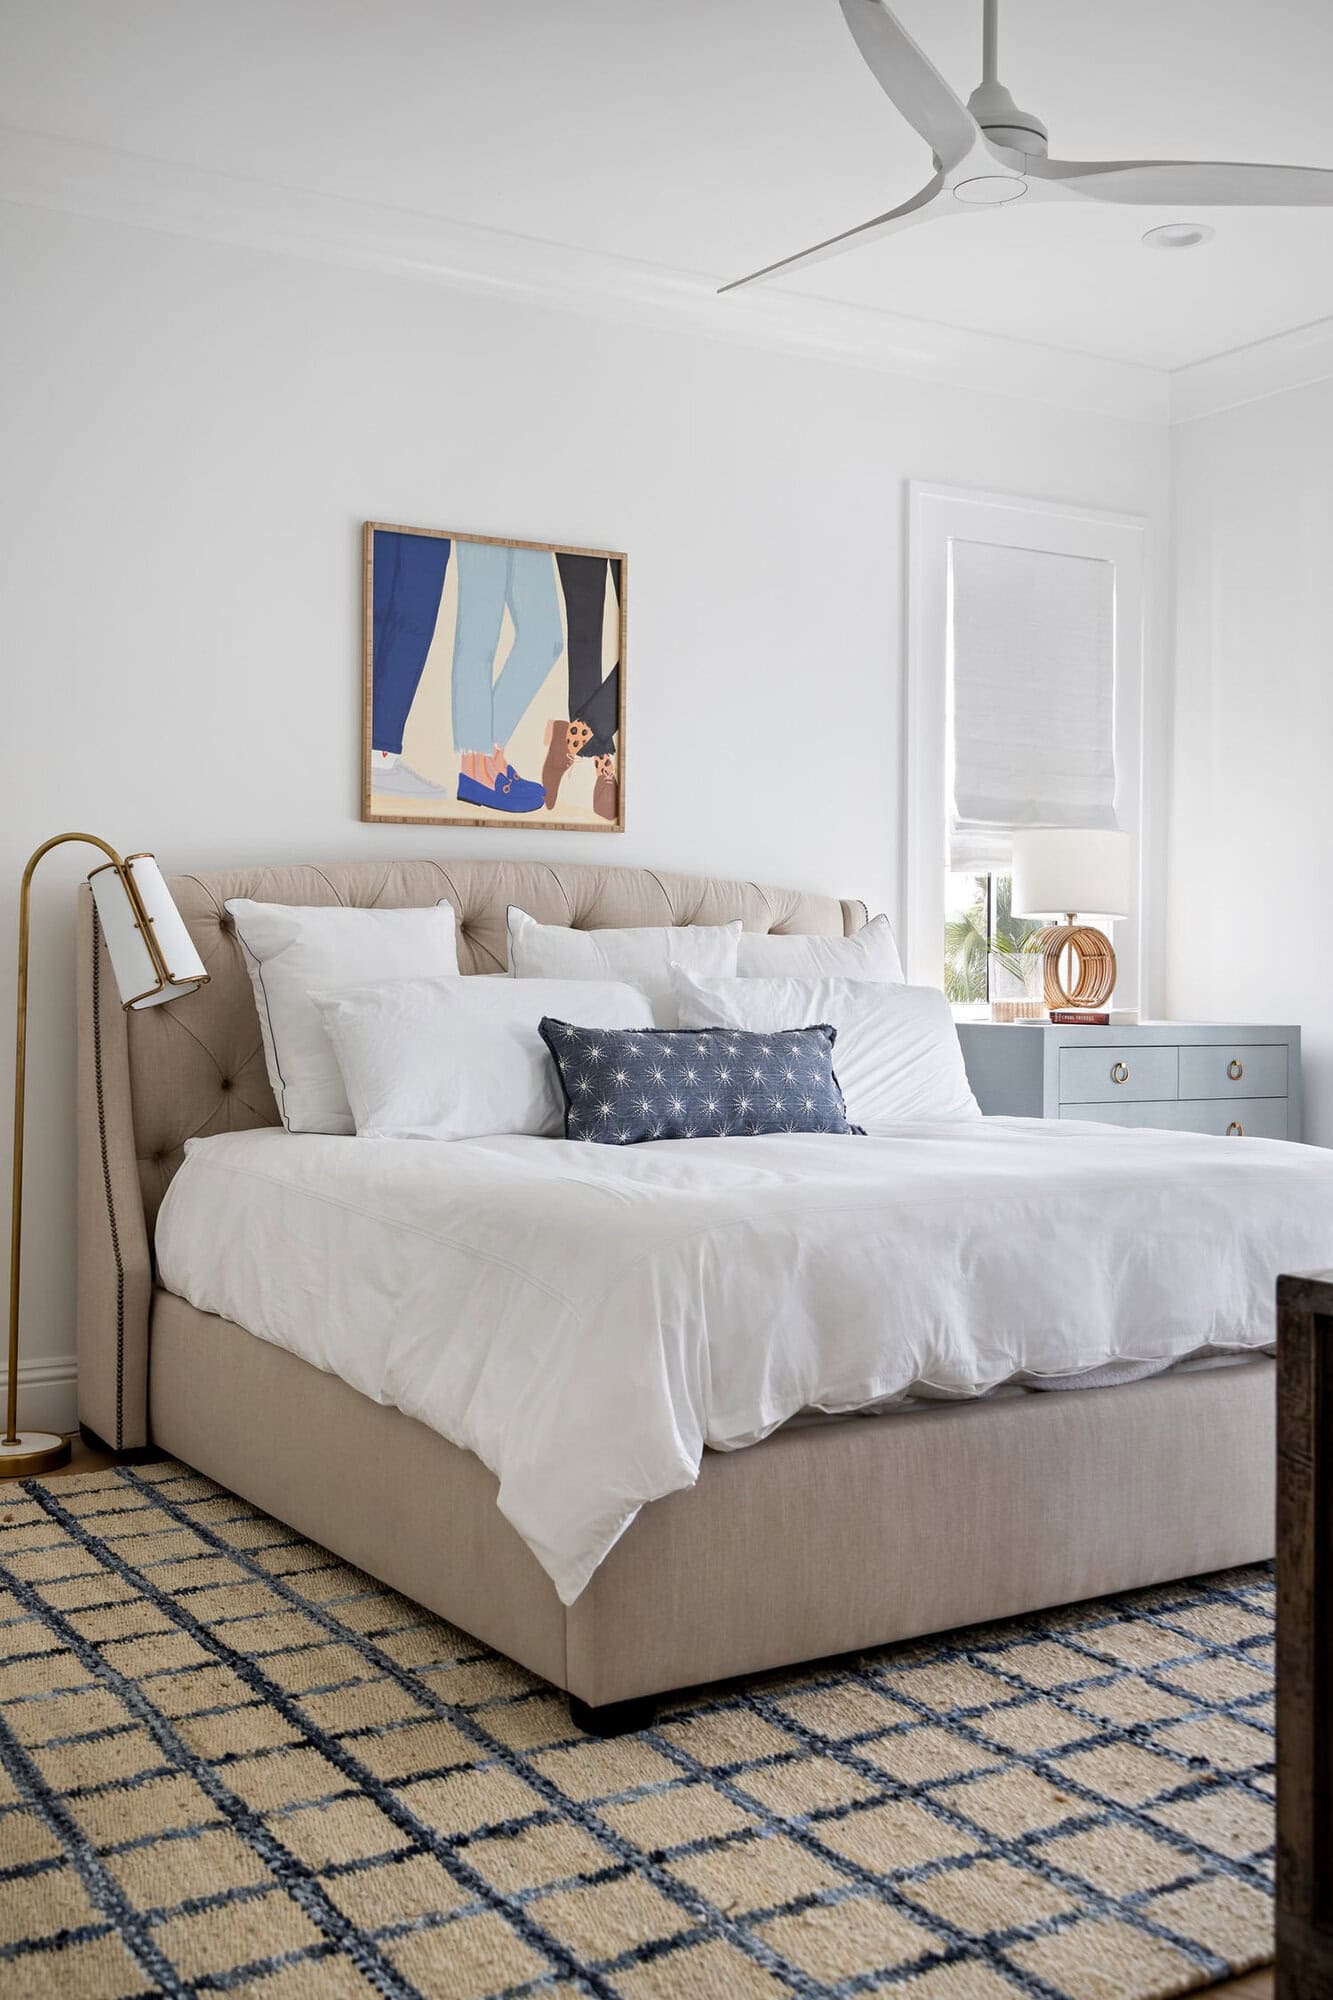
{"x": 711, "y": 136}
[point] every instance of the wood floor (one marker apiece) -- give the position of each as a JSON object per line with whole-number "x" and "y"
{"x": 1251, "y": 1985}
{"x": 82, "y": 1458}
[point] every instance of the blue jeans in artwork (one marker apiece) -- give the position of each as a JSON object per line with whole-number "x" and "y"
{"x": 488, "y": 707}
{"x": 409, "y": 573}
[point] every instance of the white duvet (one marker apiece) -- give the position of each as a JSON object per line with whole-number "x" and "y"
{"x": 586, "y": 1319}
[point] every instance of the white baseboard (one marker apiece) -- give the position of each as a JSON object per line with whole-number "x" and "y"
{"x": 48, "y": 1398}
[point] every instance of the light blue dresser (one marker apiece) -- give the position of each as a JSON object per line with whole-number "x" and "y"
{"x": 1234, "y": 1081}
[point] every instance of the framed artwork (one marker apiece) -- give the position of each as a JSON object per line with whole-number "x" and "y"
{"x": 494, "y": 682}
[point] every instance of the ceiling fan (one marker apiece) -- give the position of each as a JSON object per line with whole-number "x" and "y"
{"x": 988, "y": 152}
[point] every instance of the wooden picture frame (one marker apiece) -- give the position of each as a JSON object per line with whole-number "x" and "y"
{"x": 472, "y": 637}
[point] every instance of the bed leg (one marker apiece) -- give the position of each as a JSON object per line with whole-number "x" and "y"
{"x": 617, "y": 1718}
{"x": 137, "y": 1454}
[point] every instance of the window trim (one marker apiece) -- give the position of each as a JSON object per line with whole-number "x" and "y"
{"x": 937, "y": 515}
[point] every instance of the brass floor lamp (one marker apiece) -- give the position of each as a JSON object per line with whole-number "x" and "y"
{"x": 146, "y": 938}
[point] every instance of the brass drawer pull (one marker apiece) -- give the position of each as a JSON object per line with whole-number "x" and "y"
{"x": 1235, "y": 1131}
{"x": 1120, "y": 1072}
{"x": 1235, "y": 1069}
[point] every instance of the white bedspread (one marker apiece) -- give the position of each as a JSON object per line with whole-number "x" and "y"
{"x": 586, "y": 1319}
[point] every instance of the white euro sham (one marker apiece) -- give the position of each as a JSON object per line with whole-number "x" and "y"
{"x": 462, "y": 1058}
{"x": 641, "y": 958}
{"x": 870, "y": 953}
{"x": 897, "y": 1056}
{"x": 293, "y": 951}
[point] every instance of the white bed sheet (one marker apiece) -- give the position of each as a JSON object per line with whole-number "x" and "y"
{"x": 587, "y": 1319}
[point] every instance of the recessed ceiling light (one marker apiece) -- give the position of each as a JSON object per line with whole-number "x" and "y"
{"x": 1179, "y": 235}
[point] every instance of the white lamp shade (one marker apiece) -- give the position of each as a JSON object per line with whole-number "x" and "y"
{"x": 137, "y": 975}
{"x": 1059, "y": 869}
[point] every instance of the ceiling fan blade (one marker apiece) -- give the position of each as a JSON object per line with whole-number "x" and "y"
{"x": 923, "y": 207}
{"x": 908, "y": 77}
{"x": 1202, "y": 183}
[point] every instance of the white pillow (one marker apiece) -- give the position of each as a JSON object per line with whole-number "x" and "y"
{"x": 870, "y": 953}
{"x": 462, "y": 1058}
{"x": 293, "y": 952}
{"x": 642, "y": 958}
{"x": 897, "y": 1056}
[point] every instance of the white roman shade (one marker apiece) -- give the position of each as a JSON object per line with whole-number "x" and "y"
{"x": 1031, "y": 697}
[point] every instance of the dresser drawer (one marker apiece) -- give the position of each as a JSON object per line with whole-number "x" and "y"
{"x": 1109, "y": 1075}
{"x": 1257, "y": 1117}
{"x": 1223, "y": 1069}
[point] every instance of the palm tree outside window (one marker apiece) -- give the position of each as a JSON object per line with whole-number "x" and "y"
{"x": 985, "y": 945}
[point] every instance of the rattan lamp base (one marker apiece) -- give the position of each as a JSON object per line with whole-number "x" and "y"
{"x": 33, "y": 1452}
{"x": 1090, "y": 979}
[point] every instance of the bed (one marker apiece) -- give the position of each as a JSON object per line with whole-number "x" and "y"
{"x": 741, "y": 1535}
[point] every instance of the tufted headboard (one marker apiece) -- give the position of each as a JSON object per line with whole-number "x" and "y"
{"x": 149, "y": 1081}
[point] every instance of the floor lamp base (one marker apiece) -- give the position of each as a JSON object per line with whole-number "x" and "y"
{"x": 34, "y": 1451}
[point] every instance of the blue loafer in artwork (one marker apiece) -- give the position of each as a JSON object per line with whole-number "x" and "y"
{"x": 509, "y": 793}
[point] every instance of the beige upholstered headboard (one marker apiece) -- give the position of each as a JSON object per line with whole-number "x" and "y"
{"x": 149, "y": 1081}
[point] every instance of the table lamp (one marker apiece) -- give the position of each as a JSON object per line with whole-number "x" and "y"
{"x": 154, "y": 959}
{"x": 1059, "y": 871}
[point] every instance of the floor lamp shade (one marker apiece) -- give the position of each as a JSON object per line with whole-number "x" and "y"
{"x": 152, "y": 954}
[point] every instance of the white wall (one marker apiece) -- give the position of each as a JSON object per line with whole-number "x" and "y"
{"x": 192, "y": 435}
{"x": 1249, "y": 935}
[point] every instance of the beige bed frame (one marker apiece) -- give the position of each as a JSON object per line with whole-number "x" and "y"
{"x": 818, "y": 1541}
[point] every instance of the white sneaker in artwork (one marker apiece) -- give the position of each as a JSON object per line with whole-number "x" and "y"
{"x": 400, "y": 781}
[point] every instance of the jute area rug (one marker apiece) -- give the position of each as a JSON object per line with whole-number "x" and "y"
{"x": 231, "y": 1764}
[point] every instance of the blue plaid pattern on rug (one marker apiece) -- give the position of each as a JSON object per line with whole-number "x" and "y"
{"x": 231, "y": 1764}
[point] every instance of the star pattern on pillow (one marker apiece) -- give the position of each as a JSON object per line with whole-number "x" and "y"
{"x": 623, "y": 1086}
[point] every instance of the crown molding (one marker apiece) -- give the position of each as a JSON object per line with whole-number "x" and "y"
{"x": 40, "y": 171}
{"x": 1247, "y": 374}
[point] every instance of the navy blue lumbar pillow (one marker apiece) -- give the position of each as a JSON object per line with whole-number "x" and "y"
{"x": 623, "y": 1085}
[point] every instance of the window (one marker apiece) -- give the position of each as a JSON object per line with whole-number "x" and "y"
{"x": 984, "y": 943}
{"x": 1024, "y": 702}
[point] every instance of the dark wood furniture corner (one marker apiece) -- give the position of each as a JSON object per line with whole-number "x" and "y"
{"x": 1304, "y": 1630}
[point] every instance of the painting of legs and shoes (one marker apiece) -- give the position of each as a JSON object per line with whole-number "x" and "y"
{"x": 494, "y": 682}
